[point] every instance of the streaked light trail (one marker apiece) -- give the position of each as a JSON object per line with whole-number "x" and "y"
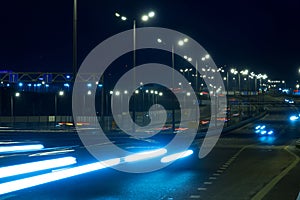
{"x": 145, "y": 155}
{"x": 35, "y": 166}
{"x": 176, "y": 156}
{"x": 32, "y": 147}
{"x": 54, "y": 176}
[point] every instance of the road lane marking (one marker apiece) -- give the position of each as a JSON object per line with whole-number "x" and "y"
{"x": 202, "y": 188}
{"x": 265, "y": 190}
{"x": 195, "y": 197}
{"x": 212, "y": 178}
{"x": 216, "y": 174}
{"x": 220, "y": 171}
{"x": 298, "y": 197}
{"x": 208, "y": 183}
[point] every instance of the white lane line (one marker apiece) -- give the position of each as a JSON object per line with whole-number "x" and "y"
{"x": 212, "y": 178}
{"x": 223, "y": 168}
{"x": 195, "y": 197}
{"x": 208, "y": 183}
{"x": 265, "y": 190}
{"x": 220, "y": 171}
{"x": 216, "y": 174}
{"x": 298, "y": 198}
{"x": 202, "y": 188}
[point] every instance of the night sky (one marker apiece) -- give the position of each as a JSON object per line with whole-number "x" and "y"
{"x": 263, "y": 36}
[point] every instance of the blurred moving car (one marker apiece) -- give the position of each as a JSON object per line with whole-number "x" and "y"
{"x": 263, "y": 130}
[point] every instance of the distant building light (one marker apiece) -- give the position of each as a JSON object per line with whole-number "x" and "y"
{"x": 43, "y": 82}
{"x": 17, "y": 94}
{"x": 39, "y": 85}
{"x": 100, "y": 85}
{"x": 89, "y": 85}
{"x": 136, "y": 91}
{"x": 47, "y": 85}
{"x": 67, "y": 85}
{"x": 20, "y": 84}
{"x": 68, "y": 76}
{"x": 7, "y": 84}
{"x": 111, "y": 92}
{"x": 89, "y": 92}
{"x": 29, "y": 84}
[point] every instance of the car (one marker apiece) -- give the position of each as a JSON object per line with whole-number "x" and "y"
{"x": 289, "y": 101}
{"x": 263, "y": 130}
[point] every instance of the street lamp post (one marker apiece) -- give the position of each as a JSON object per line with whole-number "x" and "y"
{"x": 144, "y": 18}
{"x": 74, "y": 39}
{"x": 60, "y": 93}
{"x": 17, "y": 95}
{"x": 173, "y": 102}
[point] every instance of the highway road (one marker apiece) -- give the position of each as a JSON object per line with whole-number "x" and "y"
{"x": 243, "y": 165}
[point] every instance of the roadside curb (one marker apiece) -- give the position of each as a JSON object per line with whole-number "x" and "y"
{"x": 243, "y": 123}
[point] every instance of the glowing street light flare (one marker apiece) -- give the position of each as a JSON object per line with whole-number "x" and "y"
{"x": 145, "y": 18}
{"x": 151, "y": 14}
{"x": 61, "y": 93}
{"x": 117, "y": 93}
{"x": 180, "y": 42}
{"x": 117, "y": 14}
{"x": 123, "y": 18}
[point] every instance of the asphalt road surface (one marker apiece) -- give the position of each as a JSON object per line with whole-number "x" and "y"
{"x": 243, "y": 165}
